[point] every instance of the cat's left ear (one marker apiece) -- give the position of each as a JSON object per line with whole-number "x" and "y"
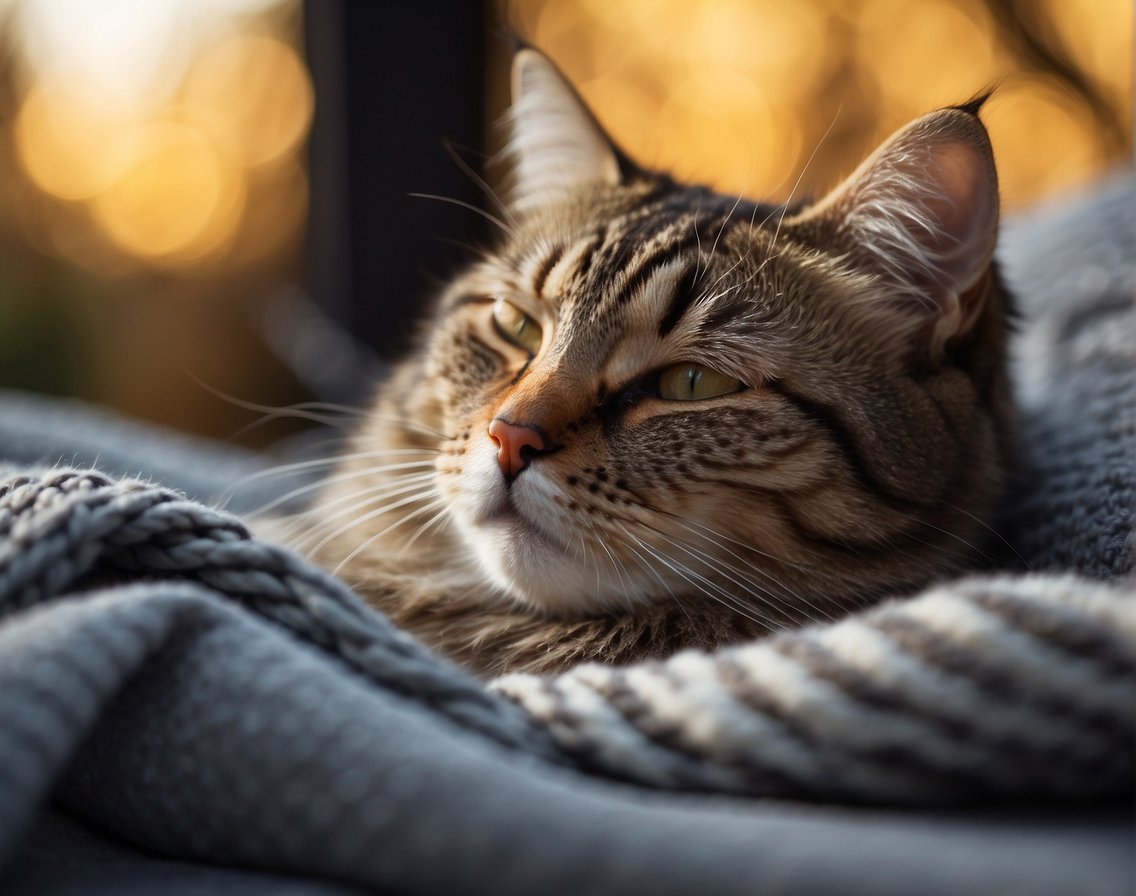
{"x": 556, "y": 143}
{"x": 922, "y": 214}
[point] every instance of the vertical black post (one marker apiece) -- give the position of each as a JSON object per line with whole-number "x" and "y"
{"x": 392, "y": 81}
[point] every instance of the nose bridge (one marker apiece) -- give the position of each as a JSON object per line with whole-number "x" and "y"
{"x": 548, "y": 397}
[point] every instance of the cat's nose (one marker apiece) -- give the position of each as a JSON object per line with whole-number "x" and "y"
{"x": 515, "y": 445}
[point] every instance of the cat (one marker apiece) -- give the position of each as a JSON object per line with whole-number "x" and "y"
{"x": 654, "y": 417}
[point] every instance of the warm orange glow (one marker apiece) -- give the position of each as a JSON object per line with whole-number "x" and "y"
{"x": 749, "y": 95}
{"x": 174, "y": 199}
{"x": 928, "y": 54}
{"x": 72, "y": 148}
{"x": 1044, "y": 140}
{"x": 1100, "y": 37}
{"x": 253, "y": 95}
{"x": 162, "y": 130}
{"x": 725, "y": 115}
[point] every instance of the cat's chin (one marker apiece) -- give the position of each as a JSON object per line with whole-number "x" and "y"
{"x": 535, "y": 568}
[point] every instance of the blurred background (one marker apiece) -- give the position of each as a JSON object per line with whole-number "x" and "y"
{"x": 203, "y": 196}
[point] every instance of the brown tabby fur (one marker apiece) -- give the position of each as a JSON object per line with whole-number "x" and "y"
{"x": 859, "y": 462}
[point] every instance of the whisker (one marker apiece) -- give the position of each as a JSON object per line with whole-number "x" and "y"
{"x": 425, "y": 526}
{"x": 419, "y": 488}
{"x": 800, "y": 177}
{"x": 331, "y": 460}
{"x": 721, "y": 229}
{"x": 967, "y": 544}
{"x": 411, "y": 499}
{"x": 625, "y": 589}
{"x": 315, "y": 519}
{"x": 341, "y": 477}
{"x": 697, "y": 239}
{"x": 301, "y": 411}
{"x": 764, "y": 573}
{"x": 766, "y": 597}
{"x": 479, "y": 181}
{"x": 991, "y": 530}
{"x": 461, "y": 203}
{"x": 411, "y": 426}
{"x": 700, "y": 582}
{"x": 366, "y": 544}
{"x": 649, "y": 567}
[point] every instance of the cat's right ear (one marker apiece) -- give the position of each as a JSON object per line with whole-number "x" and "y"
{"x": 555, "y": 142}
{"x": 921, "y": 215}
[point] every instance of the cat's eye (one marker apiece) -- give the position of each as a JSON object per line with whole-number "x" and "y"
{"x": 695, "y": 382}
{"x": 516, "y": 326}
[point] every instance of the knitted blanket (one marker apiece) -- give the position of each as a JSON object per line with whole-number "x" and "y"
{"x": 173, "y": 680}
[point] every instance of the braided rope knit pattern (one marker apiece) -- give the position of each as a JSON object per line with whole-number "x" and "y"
{"x": 58, "y": 527}
{"x": 1006, "y": 686}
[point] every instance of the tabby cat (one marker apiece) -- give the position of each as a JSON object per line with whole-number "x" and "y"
{"x": 654, "y": 417}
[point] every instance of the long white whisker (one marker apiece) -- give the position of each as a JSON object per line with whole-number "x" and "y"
{"x": 342, "y": 477}
{"x": 417, "y": 496}
{"x": 800, "y": 177}
{"x": 764, "y": 574}
{"x": 701, "y": 583}
{"x": 776, "y": 598}
{"x": 426, "y": 526}
{"x": 366, "y": 544}
{"x": 632, "y": 544}
{"x": 411, "y": 426}
{"x": 385, "y": 489}
{"x": 331, "y": 460}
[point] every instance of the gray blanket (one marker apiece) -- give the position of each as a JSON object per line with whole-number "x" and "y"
{"x": 169, "y": 684}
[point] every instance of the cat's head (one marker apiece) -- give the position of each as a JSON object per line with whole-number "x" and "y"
{"x": 648, "y": 391}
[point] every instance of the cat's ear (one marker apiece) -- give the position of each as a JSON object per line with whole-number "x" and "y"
{"x": 922, "y": 214}
{"x": 555, "y": 142}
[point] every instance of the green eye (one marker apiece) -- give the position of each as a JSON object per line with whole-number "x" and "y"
{"x": 516, "y": 326}
{"x": 693, "y": 382}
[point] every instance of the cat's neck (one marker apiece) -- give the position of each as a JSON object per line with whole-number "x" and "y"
{"x": 492, "y": 639}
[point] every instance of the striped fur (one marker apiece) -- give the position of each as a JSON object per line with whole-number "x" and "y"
{"x": 861, "y": 459}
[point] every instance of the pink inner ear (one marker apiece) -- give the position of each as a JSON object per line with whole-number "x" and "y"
{"x": 922, "y": 214}
{"x": 961, "y": 199}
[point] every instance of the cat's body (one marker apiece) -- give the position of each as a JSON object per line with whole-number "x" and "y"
{"x": 654, "y": 417}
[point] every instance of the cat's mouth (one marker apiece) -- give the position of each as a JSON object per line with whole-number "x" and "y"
{"x": 507, "y": 516}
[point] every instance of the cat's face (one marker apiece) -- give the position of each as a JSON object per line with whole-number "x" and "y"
{"x": 651, "y": 392}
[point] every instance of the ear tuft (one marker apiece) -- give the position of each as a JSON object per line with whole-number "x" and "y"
{"x": 556, "y": 143}
{"x": 922, "y": 214}
{"x": 974, "y": 105}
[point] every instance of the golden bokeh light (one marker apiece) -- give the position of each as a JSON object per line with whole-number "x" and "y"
{"x": 757, "y": 94}
{"x": 1043, "y": 139}
{"x": 179, "y": 197}
{"x": 726, "y": 117}
{"x": 71, "y": 147}
{"x": 759, "y": 40}
{"x": 252, "y": 93}
{"x": 162, "y": 152}
{"x": 926, "y": 55}
{"x": 1102, "y": 46}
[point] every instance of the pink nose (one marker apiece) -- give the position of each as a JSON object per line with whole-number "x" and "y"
{"x": 515, "y": 445}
